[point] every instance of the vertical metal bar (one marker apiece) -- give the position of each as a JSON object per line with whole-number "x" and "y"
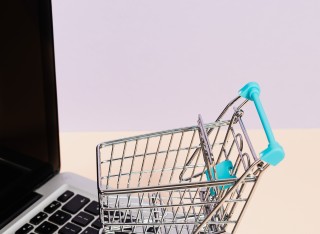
{"x": 122, "y": 159}
{"x": 164, "y": 166}
{"x": 155, "y": 160}
{"x": 166, "y": 158}
{"x": 132, "y": 164}
{"x": 176, "y": 158}
{"x": 186, "y": 160}
{"x": 177, "y": 154}
{"x": 226, "y": 137}
{"x": 206, "y": 149}
{"x": 248, "y": 140}
{"x": 111, "y": 159}
{"x": 140, "y": 212}
{"x": 129, "y": 179}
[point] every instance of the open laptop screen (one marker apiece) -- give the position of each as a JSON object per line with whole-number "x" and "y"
{"x": 29, "y": 148}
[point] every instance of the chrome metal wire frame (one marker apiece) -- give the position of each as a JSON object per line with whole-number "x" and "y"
{"x": 155, "y": 183}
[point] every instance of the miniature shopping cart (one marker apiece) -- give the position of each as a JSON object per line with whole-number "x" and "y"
{"x": 189, "y": 180}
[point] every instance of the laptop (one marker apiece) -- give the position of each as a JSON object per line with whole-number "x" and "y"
{"x": 34, "y": 196}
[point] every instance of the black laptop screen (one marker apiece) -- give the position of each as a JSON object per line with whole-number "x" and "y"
{"x": 29, "y": 149}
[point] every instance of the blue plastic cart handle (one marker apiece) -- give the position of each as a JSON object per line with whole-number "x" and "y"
{"x": 274, "y": 153}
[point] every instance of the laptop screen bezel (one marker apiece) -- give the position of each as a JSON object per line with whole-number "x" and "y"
{"x": 40, "y": 174}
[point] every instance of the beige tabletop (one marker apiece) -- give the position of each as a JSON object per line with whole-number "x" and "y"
{"x": 286, "y": 200}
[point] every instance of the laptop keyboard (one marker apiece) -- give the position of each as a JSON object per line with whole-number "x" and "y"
{"x": 69, "y": 214}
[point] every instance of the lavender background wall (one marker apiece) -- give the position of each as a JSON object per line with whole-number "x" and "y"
{"x": 151, "y": 65}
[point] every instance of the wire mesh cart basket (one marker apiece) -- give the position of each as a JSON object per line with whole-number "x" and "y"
{"x": 197, "y": 179}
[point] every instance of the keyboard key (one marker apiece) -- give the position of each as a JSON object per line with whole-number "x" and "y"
{"x": 46, "y": 228}
{"x": 70, "y": 228}
{"x": 60, "y": 217}
{"x": 65, "y": 196}
{"x": 93, "y": 208}
{"x": 129, "y": 220}
{"x": 97, "y": 224}
{"x": 90, "y": 230}
{"x": 52, "y": 207}
{"x": 152, "y": 229}
{"x": 75, "y": 204}
{"x": 38, "y": 218}
{"x": 24, "y": 229}
{"x": 83, "y": 219}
